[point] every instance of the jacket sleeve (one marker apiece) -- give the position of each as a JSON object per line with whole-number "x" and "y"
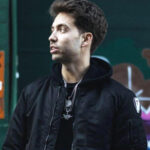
{"x": 129, "y": 133}
{"x": 16, "y": 135}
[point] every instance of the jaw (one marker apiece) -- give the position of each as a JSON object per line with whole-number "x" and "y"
{"x": 56, "y": 57}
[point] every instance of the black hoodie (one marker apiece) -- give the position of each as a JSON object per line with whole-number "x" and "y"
{"x": 105, "y": 117}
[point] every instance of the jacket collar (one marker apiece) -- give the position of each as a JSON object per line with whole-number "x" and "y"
{"x": 98, "y": 71}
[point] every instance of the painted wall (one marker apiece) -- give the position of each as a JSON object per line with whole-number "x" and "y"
{"x": 127, "y": 47}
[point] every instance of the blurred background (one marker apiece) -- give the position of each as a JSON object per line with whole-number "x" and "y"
{"x": 24, "y": 49}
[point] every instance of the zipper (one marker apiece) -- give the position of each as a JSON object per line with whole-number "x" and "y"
{"x": 51, "y": 120}
{"x": 74, "y": 110}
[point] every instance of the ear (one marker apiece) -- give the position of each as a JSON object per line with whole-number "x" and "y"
{"x": 87, "y": 38}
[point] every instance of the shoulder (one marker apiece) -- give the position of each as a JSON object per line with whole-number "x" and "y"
{"x": 30, "y": 94}
{"x": 122, "y": 96}
{"x": 115, "y": 88}
{"x": 32, "y": 90}
{"x": 37, "y": 84}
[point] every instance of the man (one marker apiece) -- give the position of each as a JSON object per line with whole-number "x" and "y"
{"x": 78, "y": 106}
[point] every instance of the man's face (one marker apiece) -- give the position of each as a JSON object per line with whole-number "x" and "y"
{"x": 65, "y": 39}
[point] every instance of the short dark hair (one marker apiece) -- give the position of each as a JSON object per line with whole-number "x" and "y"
{"x": 88, "y": 17}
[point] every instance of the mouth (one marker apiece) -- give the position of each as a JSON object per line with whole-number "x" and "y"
{"x": 54, "y": 49}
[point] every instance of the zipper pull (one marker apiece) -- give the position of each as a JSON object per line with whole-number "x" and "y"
{"x": 65, "y": 84}
{"x": 58, "y": 92}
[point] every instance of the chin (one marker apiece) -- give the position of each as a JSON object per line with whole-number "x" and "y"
{"x": 60, "y": 60}
{"x": 56, "y": 58}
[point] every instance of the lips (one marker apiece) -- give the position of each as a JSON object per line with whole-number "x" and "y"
{"x": 53, "y": 49}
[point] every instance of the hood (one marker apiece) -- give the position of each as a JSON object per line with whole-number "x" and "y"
{"x": 98, "y": 71}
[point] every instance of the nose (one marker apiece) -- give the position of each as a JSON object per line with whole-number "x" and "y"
{"x": 52, "y": 37}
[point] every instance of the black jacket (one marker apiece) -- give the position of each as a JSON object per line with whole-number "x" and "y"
{"x": 105, "y": 117}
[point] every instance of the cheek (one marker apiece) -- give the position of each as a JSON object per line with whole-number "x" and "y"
{"x": 73, "y": 43}
{"x": 63, "y": 40}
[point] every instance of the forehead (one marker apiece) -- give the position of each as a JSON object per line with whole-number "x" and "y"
{"x": 63, "y": 18}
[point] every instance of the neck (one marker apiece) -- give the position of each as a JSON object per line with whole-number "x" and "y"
{"x": 74, "y": 72}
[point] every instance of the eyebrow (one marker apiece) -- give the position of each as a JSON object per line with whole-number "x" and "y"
{"x": 59, "y": 25}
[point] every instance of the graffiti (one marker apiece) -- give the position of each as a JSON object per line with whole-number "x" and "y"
{"x": 146, "y": 55}
{"x": 1, "y": 84}
{"x": 132, "y": 77}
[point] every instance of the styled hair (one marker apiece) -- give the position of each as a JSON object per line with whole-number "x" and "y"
{"x": 88, "y": 17}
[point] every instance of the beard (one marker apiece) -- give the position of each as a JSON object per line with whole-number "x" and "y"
{"x": 65, "y": 56}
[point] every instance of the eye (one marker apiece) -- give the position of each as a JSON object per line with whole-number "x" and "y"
{"x": 63, "y": 29}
